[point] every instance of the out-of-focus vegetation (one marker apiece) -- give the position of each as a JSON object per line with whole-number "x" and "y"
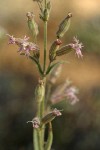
{"x": 79, "y": 127}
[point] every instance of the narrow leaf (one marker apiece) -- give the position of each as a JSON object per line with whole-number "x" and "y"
{"x": 54, "y": 65}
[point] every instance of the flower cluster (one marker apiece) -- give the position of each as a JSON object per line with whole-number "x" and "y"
{"x": 65, "y": 92}
{"x": 24, "y": 46}
{"x": 76, "y": 46}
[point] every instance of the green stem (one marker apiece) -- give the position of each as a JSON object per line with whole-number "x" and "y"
{"x": 39, "y": 109}
{"x": 41, "y": 106}
{"x": 45, "y": 44}
{"x": 44, "y": 69}
{"x": 50, "y": 138}
{"x": 35, "y": 140}
{"x": 40, "y": 140}
{"x": 42, "y": 115}
{"x": 45, "y": 36}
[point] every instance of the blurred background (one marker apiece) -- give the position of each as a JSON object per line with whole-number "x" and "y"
{"x": 79, "y": 127}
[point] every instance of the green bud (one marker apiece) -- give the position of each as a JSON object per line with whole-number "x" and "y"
{"x": 63, "y": 50}
{"x": 33, "y": 27}
{"x": 54, "y": 47}
{"x": 46, "y": 15}
{"x": 48, "y": 10}
{"x": 40, "y": 91}
{"x": 64, "y": 26}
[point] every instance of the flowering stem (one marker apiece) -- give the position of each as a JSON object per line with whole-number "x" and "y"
{"x": 45, "y": 44}
{"x": 44, "y": 67}
{"x": 45, "y": 37}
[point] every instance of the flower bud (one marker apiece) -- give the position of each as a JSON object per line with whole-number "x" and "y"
{"x": 46, "y": 12}
{"x": 63, "y": 50}
{"x": 46, "y": 15}
{"x": 54, "y": 47}
{"x": 64, "y": 26}
{"x": 40, "y": 91}
{"x": 33, "y": 27}
{"x": 50, "y": 116}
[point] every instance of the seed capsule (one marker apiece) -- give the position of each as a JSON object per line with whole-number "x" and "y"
{"x": 64, "y": 26}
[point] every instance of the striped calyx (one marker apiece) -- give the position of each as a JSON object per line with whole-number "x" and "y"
{"x": 64, "y": 26}
{"x": 50, "y": 116}
{"x": 54, "y": 47}
{"x": 33, "y": 27}
{"x": 63, "y": 50}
